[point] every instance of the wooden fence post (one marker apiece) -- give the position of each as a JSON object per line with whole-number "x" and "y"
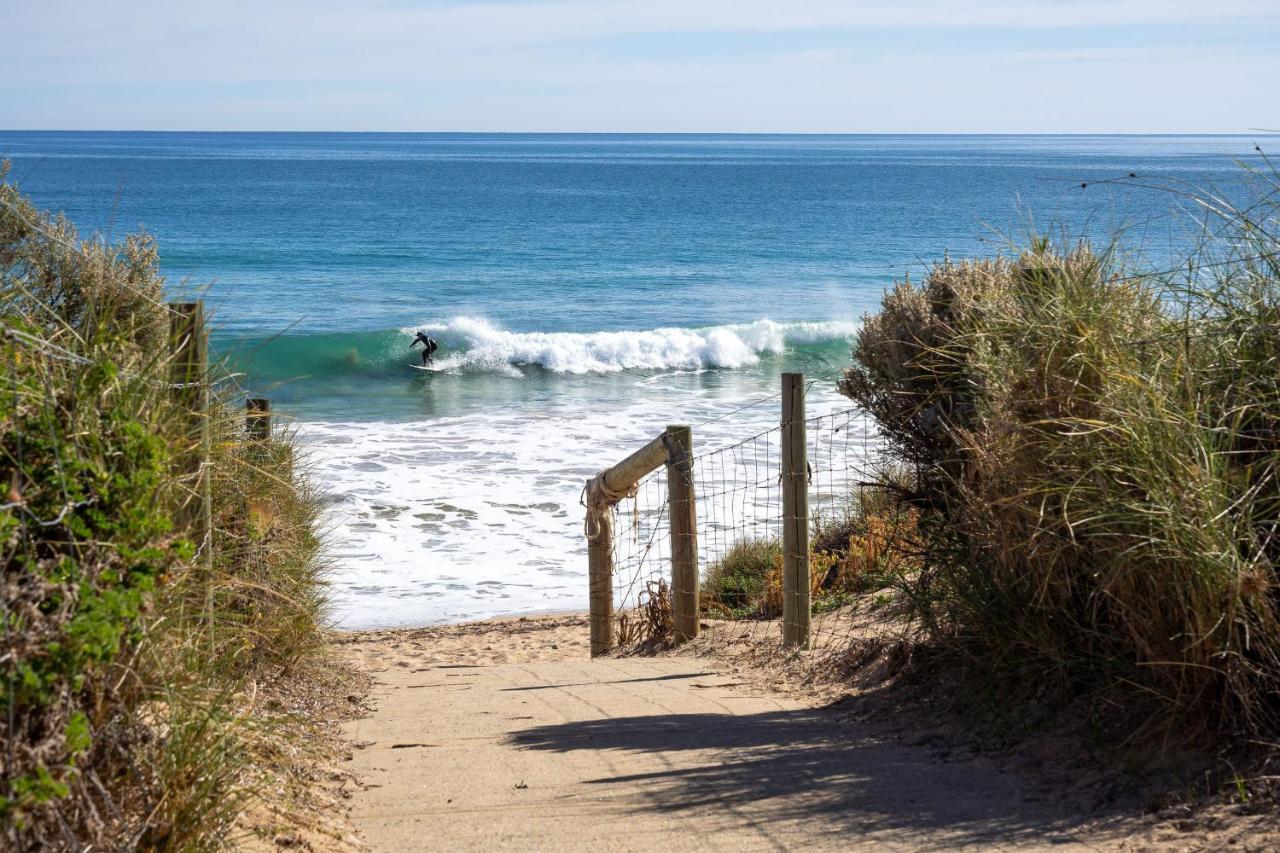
{"x": 795, "y": 515}
{"x": 684, "y": 532}
{"x": 600, "y": 578}
{"x": 602, "y": 493}
{"x": 189, "y": 366}
{"x": 257, "y": 418}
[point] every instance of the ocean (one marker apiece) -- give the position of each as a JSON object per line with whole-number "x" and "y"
{"x": 586, "y": 291}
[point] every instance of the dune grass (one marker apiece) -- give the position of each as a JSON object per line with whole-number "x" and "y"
{"x": 1099, "y": 457}
{"x": 139, "y": 651}
{"x": 736, "y": 583}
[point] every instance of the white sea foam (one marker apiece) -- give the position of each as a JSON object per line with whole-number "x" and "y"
{"x": 472, "y": 516}
{"x": 476, "y": 343}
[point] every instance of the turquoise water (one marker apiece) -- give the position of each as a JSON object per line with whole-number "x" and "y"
{"x": 586, "y": 290}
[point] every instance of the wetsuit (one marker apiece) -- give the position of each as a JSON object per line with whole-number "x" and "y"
{"x": 428, "y": 347}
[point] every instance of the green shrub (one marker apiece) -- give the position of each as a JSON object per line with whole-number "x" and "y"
{"x": 736, "y": 582}
{"x": 1098, "y": 474}
{"x": 129, "y": 638}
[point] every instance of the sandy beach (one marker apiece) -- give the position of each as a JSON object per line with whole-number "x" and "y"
{"x": 506, "y": 735}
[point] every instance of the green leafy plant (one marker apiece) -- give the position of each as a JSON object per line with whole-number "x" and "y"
{"x": 133, "y": 638}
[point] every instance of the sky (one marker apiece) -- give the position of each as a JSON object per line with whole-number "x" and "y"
{"x": 734, "y": 66}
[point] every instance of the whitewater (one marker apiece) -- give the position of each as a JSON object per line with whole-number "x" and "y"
{"x": 482, "y": 345}
{"x": 477, "y": 514}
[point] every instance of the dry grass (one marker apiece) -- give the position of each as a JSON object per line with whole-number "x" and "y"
{"x": 135, "y": 646}
{"x": 1098, "y": 474}
{"x": 651, "y": 625}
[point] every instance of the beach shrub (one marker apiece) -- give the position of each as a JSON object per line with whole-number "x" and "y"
{"x": 868, "y": 533}
{"x": 860, "y": 547}
{"x": 1098, "y": 463}
{"x": 131, "y": 640}
{"x": 736, "y": 582}
{"x": 877, "y": 553}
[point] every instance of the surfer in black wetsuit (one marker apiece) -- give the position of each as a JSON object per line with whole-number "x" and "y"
{"x": 428, "y": 347}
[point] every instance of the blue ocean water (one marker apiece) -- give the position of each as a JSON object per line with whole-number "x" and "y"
{"x": 586, "y": 290}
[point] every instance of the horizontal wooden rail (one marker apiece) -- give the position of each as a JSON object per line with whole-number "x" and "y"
{"x": 672, "y": 448}
{"x": 621, "y": 478}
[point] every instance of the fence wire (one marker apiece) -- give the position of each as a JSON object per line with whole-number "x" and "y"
{"x": 738, "y": 493}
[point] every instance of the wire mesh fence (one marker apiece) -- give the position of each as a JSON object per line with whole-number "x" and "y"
{"x": 739, "y": 524}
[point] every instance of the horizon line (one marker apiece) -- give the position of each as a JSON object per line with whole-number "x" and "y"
{"x": 1248, "y": 132}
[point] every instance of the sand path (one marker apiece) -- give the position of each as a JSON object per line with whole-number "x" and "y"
{"x": 509, "y": 738}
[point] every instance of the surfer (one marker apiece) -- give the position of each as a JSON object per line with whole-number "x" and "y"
{"x": 428, "y": 347}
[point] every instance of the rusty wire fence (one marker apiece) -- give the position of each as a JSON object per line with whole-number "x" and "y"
{"x": 740, "y": 545}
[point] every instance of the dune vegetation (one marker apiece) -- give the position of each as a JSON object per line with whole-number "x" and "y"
{"x": 1098, "y": 458}
{"x": 152, "y": 656}
{"x": 863, "y": 546}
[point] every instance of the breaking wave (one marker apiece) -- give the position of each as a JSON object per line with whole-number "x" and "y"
{"x": 472, "y": 343}
{"x": 469, "y": 344}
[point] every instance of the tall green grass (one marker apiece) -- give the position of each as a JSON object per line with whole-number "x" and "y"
{"x": 136, "y": 649}
{"x": 1098, "y": 454}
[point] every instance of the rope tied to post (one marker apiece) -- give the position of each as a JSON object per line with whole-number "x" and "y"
{"x": 599, "y": 498}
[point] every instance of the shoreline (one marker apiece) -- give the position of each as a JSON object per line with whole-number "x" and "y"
{"x": 517, "y": 615}
{"x": 560, "y": 636}
{"x": 497, "y": 527}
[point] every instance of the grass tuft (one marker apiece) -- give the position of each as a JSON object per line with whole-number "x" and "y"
{"x": 138, "y": 652}
{"x": 1098, "y": 452}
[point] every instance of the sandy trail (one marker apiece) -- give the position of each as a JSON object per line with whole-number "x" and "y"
{"x": 506, "y": 736}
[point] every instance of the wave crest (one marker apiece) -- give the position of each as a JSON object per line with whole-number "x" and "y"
{"x": 473, "y": 343}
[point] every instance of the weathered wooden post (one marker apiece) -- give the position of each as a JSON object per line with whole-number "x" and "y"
{"x": 795, "y": 515}
{"x": 257, "y": 418}
{"x": 604, "y": 491}
{"x": 600, "y": 572}
{"x": 188, "y": 368}
{"x": 683, "y": 508}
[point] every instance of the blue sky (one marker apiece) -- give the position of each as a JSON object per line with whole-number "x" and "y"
{"x": 909, "y": 66}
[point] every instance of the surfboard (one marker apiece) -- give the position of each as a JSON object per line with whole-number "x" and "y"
{"x": 429, "y": 368}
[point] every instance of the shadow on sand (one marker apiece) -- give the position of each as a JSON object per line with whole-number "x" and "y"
{"x": 813, "y": 767}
